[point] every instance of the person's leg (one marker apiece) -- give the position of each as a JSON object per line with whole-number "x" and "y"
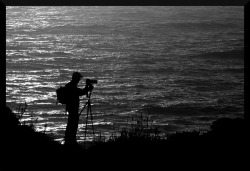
{"x": 72, "y": 126}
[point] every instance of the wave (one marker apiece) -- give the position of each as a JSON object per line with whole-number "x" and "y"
{"x": 237, "y": 54}
{"x": 209, "y": 25}
{"x": 188, "y": 109}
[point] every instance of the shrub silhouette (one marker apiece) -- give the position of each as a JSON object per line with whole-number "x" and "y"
{"x": 139, "y": 141}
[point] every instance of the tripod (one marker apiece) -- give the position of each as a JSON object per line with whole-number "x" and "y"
{"x": 88, "y": 104}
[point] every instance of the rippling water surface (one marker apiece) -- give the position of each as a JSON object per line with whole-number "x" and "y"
{"x": 183, "y": 67}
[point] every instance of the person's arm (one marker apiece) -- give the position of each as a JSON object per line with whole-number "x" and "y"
{"x": 82, "y": 91}
{"x": 85, "y": 90}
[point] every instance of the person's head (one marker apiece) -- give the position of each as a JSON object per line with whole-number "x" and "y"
{"x": 76, "y": 77}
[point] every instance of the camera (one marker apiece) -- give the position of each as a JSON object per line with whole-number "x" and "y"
{"x": 89, "y": 81}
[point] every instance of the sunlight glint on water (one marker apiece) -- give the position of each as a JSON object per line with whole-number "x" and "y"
{"x": 159, "y": 61}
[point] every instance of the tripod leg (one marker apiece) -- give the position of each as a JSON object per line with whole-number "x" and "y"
{"x": 91, "y": 119}
{"x": 86, "y": 125}
{"x": 88, "y": 111}
{"x": 83, "y": 108}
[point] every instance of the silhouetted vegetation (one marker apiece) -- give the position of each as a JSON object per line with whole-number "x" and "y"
{"x": 22, "y": 139}
{"x": 225, "y": 137}
{"x": 140, "y": 141}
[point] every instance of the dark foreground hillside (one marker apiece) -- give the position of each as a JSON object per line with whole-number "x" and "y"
{"x": 224, "y": 142}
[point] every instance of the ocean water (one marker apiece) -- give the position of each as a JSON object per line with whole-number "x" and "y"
{"x": 182, "y": 67}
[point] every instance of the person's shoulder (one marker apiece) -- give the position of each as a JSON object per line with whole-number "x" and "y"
{"x": 68, "y": 84}
{"x": 71, "y": 85}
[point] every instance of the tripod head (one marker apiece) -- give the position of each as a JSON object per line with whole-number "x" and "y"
{"x": 88, "y": 103}
{"x": 89, "y": 85}
{"x": 88, "y": 94}
{"x": 90, "y": 88}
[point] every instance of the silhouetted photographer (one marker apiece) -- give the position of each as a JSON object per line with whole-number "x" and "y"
{"x": 72, "y": 105}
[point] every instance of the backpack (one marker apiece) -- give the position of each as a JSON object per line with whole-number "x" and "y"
{"x": 62, "y": 94}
